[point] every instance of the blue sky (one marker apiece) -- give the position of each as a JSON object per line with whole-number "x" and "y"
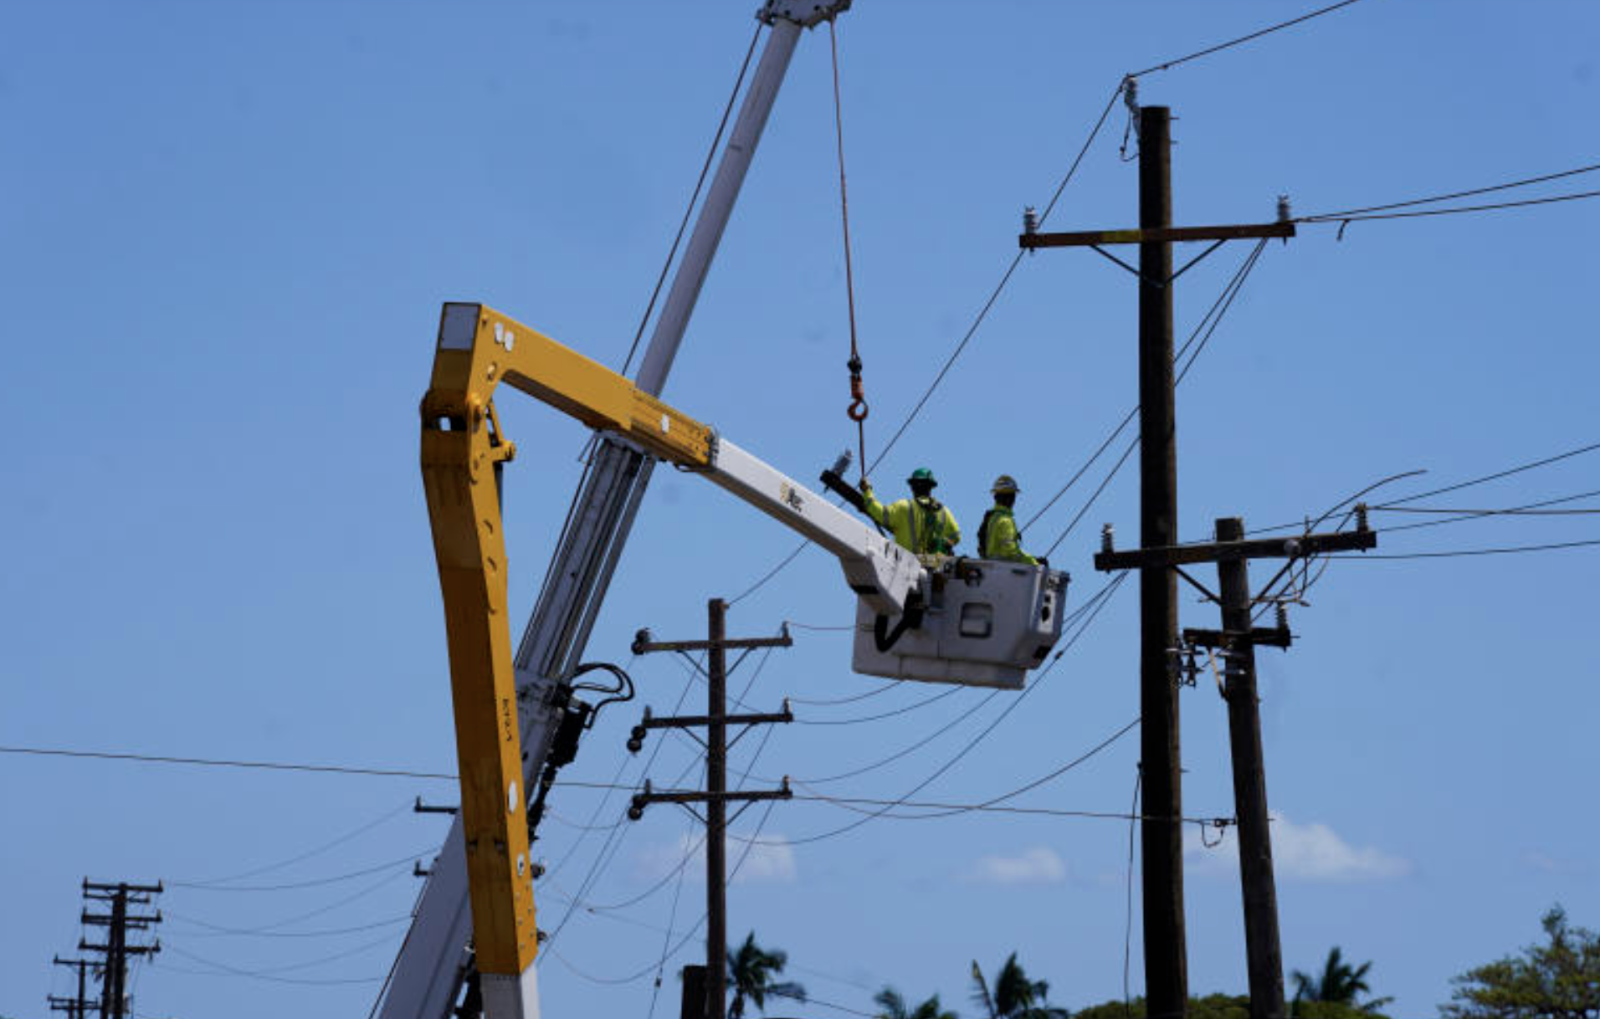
{"x": 227, "y": 230}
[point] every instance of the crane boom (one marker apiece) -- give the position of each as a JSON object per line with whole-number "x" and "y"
{"x": 435, "y": 959}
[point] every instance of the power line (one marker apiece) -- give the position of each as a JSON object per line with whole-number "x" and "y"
{"x": 953, "y": 722}
{"x": 1496, "y": 476}
{"x": 1415, "y": 213}
{"x": 321, "y": 910}
{"x": 1456, "y": 553}
{"x": 1005, "y": 278}
{"x": 1202, "y": 333}
{"x": 223, "y": 969}
{"x": 1243, "y": 39}
{"x": 1470, "y": 483}
{"x": 218, "y": 931}
{"x": 332, "y": 769}
{"x": 306, "y": 855}
{"x": 942, "y": 810}
{"x": 1516, "y": 511}
{"x": 966, "y": 338}
{"x": 1347, "y": 213}
{"x": 1038, "y": 681}
{"x": 601, "y": 862}
{"x": 906, "y": 709}
{"x": 1461, "y": 516}
{"x": 314, "y": 883}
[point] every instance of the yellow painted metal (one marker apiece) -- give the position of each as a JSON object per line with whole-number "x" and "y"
{"x": 462, "y": 447}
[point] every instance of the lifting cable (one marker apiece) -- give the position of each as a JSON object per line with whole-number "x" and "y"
{"x": 858, "y": 409}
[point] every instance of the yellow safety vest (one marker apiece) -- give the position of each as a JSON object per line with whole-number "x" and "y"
{"x": 925, "y": 526}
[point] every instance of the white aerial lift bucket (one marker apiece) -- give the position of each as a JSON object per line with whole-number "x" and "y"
{"x": 983, "y": 622}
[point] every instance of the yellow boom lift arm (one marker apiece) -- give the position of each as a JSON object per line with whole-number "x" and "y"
{"x": 962, "y": 621}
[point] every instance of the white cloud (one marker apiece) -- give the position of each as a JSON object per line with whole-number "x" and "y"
{"x": 770, "y": 859}
{"x": 1308, "y": 852}
{"x": 1038, "y": 865}
{"x": 1555, "y": 866}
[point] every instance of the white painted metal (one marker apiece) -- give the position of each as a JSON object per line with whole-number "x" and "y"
{"x": 878, "y": 570}
{"x": 434, "y": 955}
{"x": 986, "y": 623}
{"x": 509, "y": 997}
{"x": 724, "y": 191}
{"x": 427, "y": 973}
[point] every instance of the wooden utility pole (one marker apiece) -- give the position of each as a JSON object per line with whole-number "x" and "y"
{"x": 1263, "y": 949}
{"x": 693, "y": 1003}
{"x": 1161, "y": 832}
{"x": 1237, "y": 640}
{"x": 1166, "y": 970}
{"x": 76, "y": 1008}
{"x": 716, "y": 797}
{"x": 114, "y": 989}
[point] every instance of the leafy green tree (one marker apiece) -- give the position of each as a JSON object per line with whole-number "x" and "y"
{"x": 1559, "y": 979}
{"x": 1220, "y": 1006}
{"x": 894, "y": 1007}
{"x": 1013, "y": 996}
{"x": 751, "y": 976}
{"x": 1338, "y": 984}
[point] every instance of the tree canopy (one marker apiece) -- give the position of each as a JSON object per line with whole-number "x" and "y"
{"x": 752, "y": 973}
{"x": 1557, "y": 979}
{"x": 1339, "y": 983}
{"x": 1012, "y": 995}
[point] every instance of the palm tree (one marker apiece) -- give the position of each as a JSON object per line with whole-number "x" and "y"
{"x": 1339, "y": 983}
{"x": 1014, "y": 995}
{"x": 894, "y": 1007}
{"x": 751, "y": 970}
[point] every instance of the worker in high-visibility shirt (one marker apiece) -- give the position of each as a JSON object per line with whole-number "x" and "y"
{"x": 998, "y": 537}
{"x": 921, "y": 523}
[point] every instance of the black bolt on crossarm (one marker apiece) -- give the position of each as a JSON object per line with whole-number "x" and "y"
{"x": 716, "y": 796}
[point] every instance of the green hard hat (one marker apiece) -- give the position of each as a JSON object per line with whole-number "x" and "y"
{"x": 922, "y": 474}
{"x": 1005, "y": 483}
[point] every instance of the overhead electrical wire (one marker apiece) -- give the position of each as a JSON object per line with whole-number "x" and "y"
{"x": 942, "y": 810}
{"x": 1496, "y": 476}
{"x": 1242, "y": 39}
{"x": 257, "y": 872}
{"x": 973, "y": 743}
{"x": 218, "y": 931}
{"x": 313, "y": 883}
{"x": 989, "y": 304}
{"x": 601, "y": 861}
{"x": 272, "y": 976}
{"x": 1016, "y": 260}
{"x": 1456, "y": 210}
{"x": 1197, "y": 341}
{"x": 1458, "y": 553}
{"x": 1457, "y": 516}
{"x": 963, "y": 715}
{"x": 950, "y": 360}
{"x": 1451, "y": 196}
{"x": 332, "y": 769}
{"x": 687, "y": 937}
{"x": 994, "y": 295}
{"x": 906, "y": 709}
